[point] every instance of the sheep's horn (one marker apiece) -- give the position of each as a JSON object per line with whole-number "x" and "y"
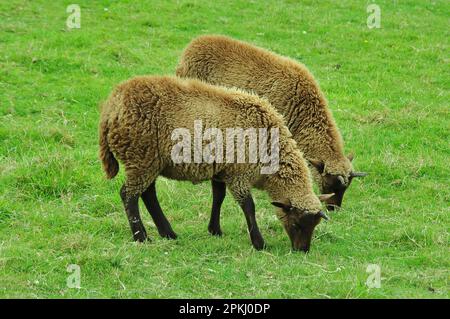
{"x": 358, "y": 174}
{"x": 324, "y": 197}
{"x": 341, "y": 180}
{"x": 323, "y": 215}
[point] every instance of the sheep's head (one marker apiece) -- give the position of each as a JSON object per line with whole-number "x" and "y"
{"x": 337, "y": 183}
{"x": 300, "y": 223}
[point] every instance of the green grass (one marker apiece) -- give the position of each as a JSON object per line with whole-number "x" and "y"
{"x": 390, "y": 97}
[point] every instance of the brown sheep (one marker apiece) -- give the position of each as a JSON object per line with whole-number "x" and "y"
{"x": 137, "y": 127}
{"x": 290, "y": 88}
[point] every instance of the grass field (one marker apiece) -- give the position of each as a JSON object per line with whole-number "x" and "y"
{"x": 388, "y": 89}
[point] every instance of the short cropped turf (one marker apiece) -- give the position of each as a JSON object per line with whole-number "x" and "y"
{"x": 387, "y": 87}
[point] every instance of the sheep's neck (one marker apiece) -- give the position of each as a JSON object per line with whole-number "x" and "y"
{"x": 291, "y": 181}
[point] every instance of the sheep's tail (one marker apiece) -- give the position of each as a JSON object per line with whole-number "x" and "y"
{"x": 109, "y": 162}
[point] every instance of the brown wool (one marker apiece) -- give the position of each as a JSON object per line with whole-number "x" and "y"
{"x": 140, "y": 115}
{"x": 287, "y": 84}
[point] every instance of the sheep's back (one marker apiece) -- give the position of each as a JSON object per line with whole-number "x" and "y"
{"x": 145, "y": 112}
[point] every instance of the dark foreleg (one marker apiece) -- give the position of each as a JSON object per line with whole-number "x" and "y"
{"x": 248, "y": 206}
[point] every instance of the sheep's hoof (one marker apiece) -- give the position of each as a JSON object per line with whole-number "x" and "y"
{"x": 169, "y": 235}
{"x": 140, "y": 237}
{"x": 215, "y": 231}
{"x": 259, "y": 244}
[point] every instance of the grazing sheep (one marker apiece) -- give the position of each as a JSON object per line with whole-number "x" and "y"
{"x": 290, "y": 88}
{"x": 137, "y": 127}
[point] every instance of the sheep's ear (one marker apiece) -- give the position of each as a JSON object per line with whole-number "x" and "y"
{"x": 325, "y": 197}
{"x": 319, "y": 165}
{"x": 286, "y": 208}
{"x": 350, "y": 156}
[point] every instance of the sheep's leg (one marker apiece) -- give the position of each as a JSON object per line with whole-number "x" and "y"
{"x": 151, "y": 202}
{"x": 219, "y": 191}
{"x": 132, "y": 209}
{"x": 248, "y": 206}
